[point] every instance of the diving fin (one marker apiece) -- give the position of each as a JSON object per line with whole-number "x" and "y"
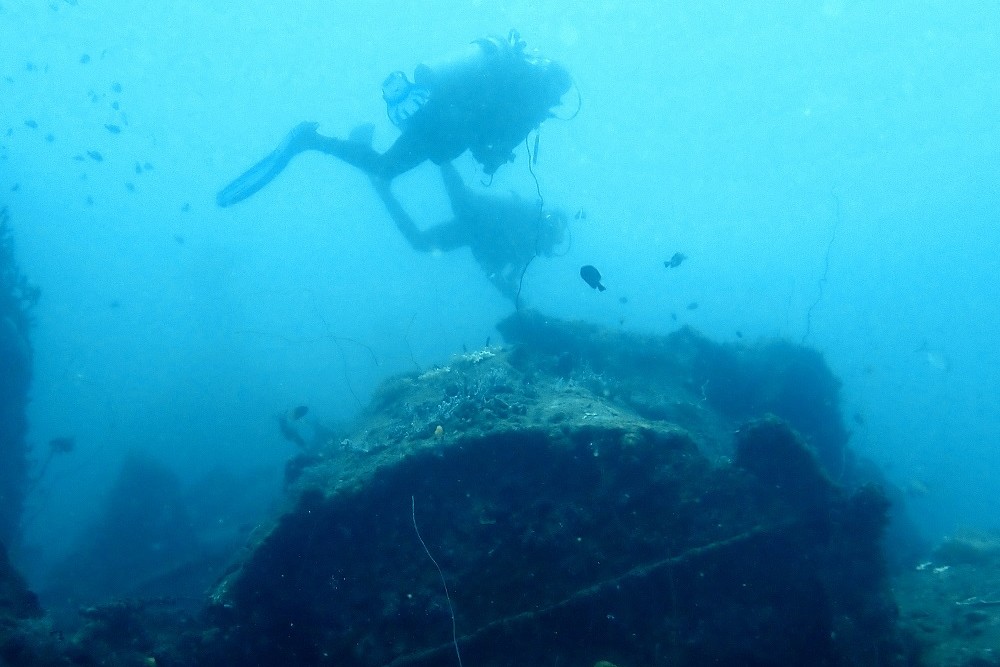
{"x": 262, "y": 173}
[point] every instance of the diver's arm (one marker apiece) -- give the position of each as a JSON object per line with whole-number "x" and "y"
{"x": 444, "y": 236}
{"x": 458, "y": 193}
{"x": 403, "y": 221}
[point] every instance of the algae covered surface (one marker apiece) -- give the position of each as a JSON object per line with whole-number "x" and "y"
{"x": 587, "y": 495}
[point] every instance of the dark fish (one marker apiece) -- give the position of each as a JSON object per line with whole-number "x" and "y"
{"x": 534, "y": 153}
{"x": 95, "y": 156}
{"x": 62, "y": 445}
{"x": 739, "y": 334}
{"x": 592, "y": 277}
{"x": 113, "y": 129}
{"x": 298, "y": 412}
{"x": 675, "y": 261}
{"x": 693, "y": 305}
{"x": 30, "y": 123}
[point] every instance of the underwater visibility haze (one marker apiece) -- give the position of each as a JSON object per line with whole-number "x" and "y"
{"x": 819, "y": 172}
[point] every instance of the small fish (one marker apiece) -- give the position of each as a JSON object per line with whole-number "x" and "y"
{"x": 917, "y": 488}
{"x": 623, "y": 300}
{"x": 147, "y": 166}
{"x": 185, "y": 208}
{"x": 592, "y": 277}
{"x": 50, "y": 137}
{"x": 934, "y": 358}
{"x": 30, "y": 123}
{"x": 138, "y": 168}
{"x": 62, "y": 445}
{"x": 84, "y": 59}
{"x": 15, "y": 187}
{"x": 115, "y": 105}
{"x": 693, "y": 305}
{"x": 116, "y": 87}
{"x": 675, "y": 261}
{"x": 179, "y": 239}
{"x": 130, "y": 186}
{"x": 95, "y": 156}
{"x": 113, "y": 129}
{"x": 580, "y": 215}
{"x": 298, "y": 412}
{"x": 739, "y": 334}
{"x": 534, "y": 152}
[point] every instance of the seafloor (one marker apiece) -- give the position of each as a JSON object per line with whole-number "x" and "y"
{"x": 578, "y": 496}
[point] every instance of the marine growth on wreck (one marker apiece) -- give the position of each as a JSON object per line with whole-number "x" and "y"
{"x": 587, "y": 495}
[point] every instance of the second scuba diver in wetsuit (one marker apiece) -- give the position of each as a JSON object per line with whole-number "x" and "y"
{"x": 486, "y": 101}
{"x": 503, "y": 233}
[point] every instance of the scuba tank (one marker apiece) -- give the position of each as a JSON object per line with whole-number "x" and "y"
{"x": 475, "y": 61}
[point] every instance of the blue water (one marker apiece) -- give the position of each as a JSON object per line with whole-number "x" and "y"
{"x": 829, "y": 168}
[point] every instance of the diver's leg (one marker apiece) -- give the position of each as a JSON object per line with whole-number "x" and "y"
{"x": 405, "y": 154}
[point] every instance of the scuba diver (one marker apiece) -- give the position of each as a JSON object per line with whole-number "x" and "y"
{"x": 486, "y": 100}
{"x": 504, "y": 233}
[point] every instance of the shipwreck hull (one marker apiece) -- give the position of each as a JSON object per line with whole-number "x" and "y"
{"x": 568, "y": 529}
